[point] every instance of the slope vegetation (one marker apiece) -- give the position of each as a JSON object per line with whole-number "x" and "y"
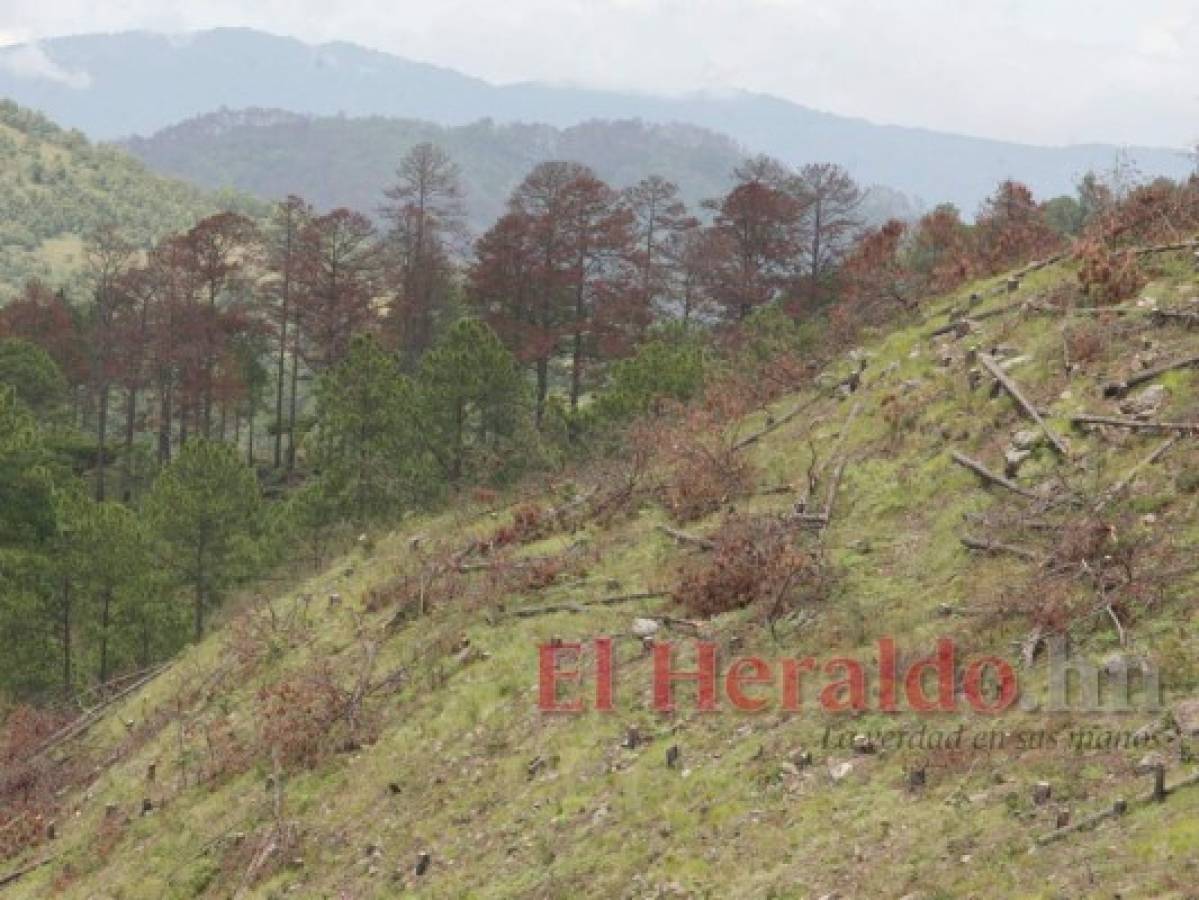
{"x": 56, "y": 189}
{"x": 397, "y": 690}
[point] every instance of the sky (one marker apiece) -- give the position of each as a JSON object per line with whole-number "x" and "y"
{"x": 1038, "y": 71}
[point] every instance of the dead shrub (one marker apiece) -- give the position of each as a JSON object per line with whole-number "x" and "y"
{"x": 1087, "y": 342}
{"x": 1108, "y": 276}
{"x": 259, "y": 634}
{"x": 250, "y": 860}
{"x": 900, "y": 415}
{"x": 755, "y": 559}
{"x": 304, "y": 717}
{"x": 697, "y": 447}
{"x": 530, "y": 522}
{"x": 27, "y": 786}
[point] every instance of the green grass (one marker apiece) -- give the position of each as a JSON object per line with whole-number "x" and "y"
{"x": 736, "y": 819}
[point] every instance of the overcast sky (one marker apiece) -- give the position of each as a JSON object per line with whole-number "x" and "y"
{"x": 1042, "y": 71}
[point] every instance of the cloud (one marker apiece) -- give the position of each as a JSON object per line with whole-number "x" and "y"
{"x": 1065, "y": 71}
{"x": 30, "y": 61}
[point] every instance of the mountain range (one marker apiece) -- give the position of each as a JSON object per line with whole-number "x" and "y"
{"x": 348, "y": 161}
{"x": 137, "y": 83}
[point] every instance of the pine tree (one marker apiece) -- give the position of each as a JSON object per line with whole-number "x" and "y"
{"x": 473, "y": 401}
{"x": 205, "y": 508}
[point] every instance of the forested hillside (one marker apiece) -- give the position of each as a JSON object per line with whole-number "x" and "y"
{"x": 340, "y": 161}
{"x": 295, "y": 505}
{"x": 56, "y": 189}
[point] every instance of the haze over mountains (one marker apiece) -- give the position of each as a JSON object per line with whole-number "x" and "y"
{"x": 136, "y": 83}
{"x": 340, "y": 161}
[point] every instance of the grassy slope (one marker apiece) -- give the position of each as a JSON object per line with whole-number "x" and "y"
{"x": 56, "y": 189}
{"x": 736, "y": 820}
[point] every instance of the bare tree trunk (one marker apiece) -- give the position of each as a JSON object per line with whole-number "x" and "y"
{"x": 101, "y": 441}
{"x": 130, "y": 430}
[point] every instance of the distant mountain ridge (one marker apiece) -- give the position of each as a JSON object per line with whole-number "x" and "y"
{"x": 343, "y": 161}
{"x": 138, "y": 83}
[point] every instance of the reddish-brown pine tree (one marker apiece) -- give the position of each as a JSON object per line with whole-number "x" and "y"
{"x": 554, "y": 273}
{"x": 338, "y": 269}
{"x": 427, "y": 219}
{"x": 1011, "y": 228}
{"x": 762, "y": 235}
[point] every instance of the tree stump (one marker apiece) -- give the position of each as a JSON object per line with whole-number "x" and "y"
{"x": 672, "y": 757}
{"x": 422, "y": 863}
{"x": 1159, "y": 784}
{"x": 1120, "y": 807}
{"x": 147, "y": 806}
{"x": 1041, "y": 792}
{"x": 917, "y": 778}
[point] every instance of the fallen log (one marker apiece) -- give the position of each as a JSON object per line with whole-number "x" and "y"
{"x": 1029, "y": 410}
{"x": 833, "y": 487}
{"x": 86, "y": 721}
{"x": 1118, "y": 808}
{"x": 963, "y": 325}
{"x": 1120, "y": 388}
{"x": 992, "y": 547}
{"x": 1124, "y": 482}
{"x": 13, "y": 877}
{"x": 775, "y": 425}
{"x": 583, "y": 606}
{"x": 692, "y": 540}
{"x": 1166, "y": 248}
{"x": 987, "y": 475}
{"x": 1182, "y": 428}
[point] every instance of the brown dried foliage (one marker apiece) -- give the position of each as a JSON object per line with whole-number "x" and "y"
{"x": 755, "y": 560}
{"x": 305, "y": 717}
{"x": 27, "y": 785}
{"x": 1087, "y": 342}
{"x": 1108, "y": 276}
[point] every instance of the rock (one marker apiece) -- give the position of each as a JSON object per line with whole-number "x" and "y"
{"x": 839, "y": 771}
{"x": 1146, "y": 403}
{"x": 862, "y": 744}
{"x": 1041, "y": 792}
{"x": 1186, "y": 717}
{"x": 644, "y": 628}
{"x": 801, "y": 759}
{"x": 1027, "y": 439}
{"x": 1013, "y": 459}
{"x": 1150, "y": 763}
{"x": 1145, "y": 733}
